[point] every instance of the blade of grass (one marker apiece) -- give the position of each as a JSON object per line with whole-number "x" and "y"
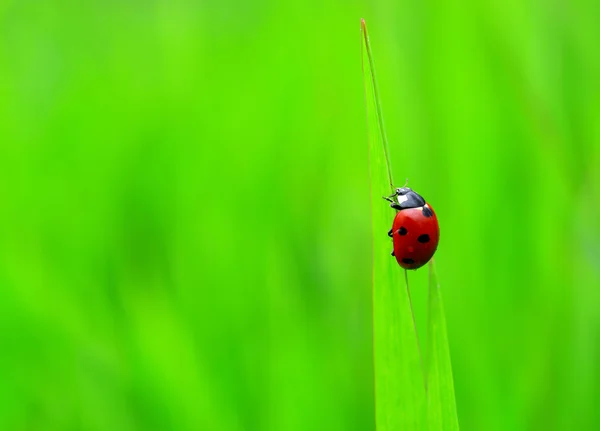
{"x": 441, "y": 404}
{"x": 377, "y": 100}
{"x": 399, "y": 389}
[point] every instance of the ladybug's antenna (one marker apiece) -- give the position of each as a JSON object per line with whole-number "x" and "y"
{"x": 365, "y": 34}
{"x": 405, "y": 184}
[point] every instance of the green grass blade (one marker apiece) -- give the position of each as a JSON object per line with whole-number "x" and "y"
{"x": 441, "y": 404}
{"x": 399, "y": 389}
{"x": 371, "y": 82}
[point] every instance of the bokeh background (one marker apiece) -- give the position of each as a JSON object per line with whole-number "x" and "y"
{"x": 184, "y": 209}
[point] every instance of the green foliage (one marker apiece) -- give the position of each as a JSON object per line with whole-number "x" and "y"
{"x": 441, "y": 405}
{"x": 399, "y": 384}
{"x": 185, "y": 238}
{"x": 405, "y": 388}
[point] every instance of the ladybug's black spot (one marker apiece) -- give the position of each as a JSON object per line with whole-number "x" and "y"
{"x": 393, "y": 254}
{"x": 408, "y": 260}
{"x": 423, "y": 238}
{"x": 402, "y": 231}
{"x": 427, "y": 212}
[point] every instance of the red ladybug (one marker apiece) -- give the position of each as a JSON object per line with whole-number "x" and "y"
{"x": 415, "y": 230}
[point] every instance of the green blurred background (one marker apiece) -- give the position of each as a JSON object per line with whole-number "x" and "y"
{"x": 184, "y": 209}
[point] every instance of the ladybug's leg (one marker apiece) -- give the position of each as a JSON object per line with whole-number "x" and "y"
{"x": 390, "y": 234}
{"x": 393, "y": 254}
{"x": 393, "y": 203}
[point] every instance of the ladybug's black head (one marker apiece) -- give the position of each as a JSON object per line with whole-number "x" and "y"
{"x": 402, "y": 191}
{"x": 407, "y": 198}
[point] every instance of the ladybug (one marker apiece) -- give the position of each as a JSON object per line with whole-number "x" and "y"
{"x": 415, "y": 230}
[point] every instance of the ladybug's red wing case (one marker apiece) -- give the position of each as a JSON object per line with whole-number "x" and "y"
{"x": 415, "y": 233}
